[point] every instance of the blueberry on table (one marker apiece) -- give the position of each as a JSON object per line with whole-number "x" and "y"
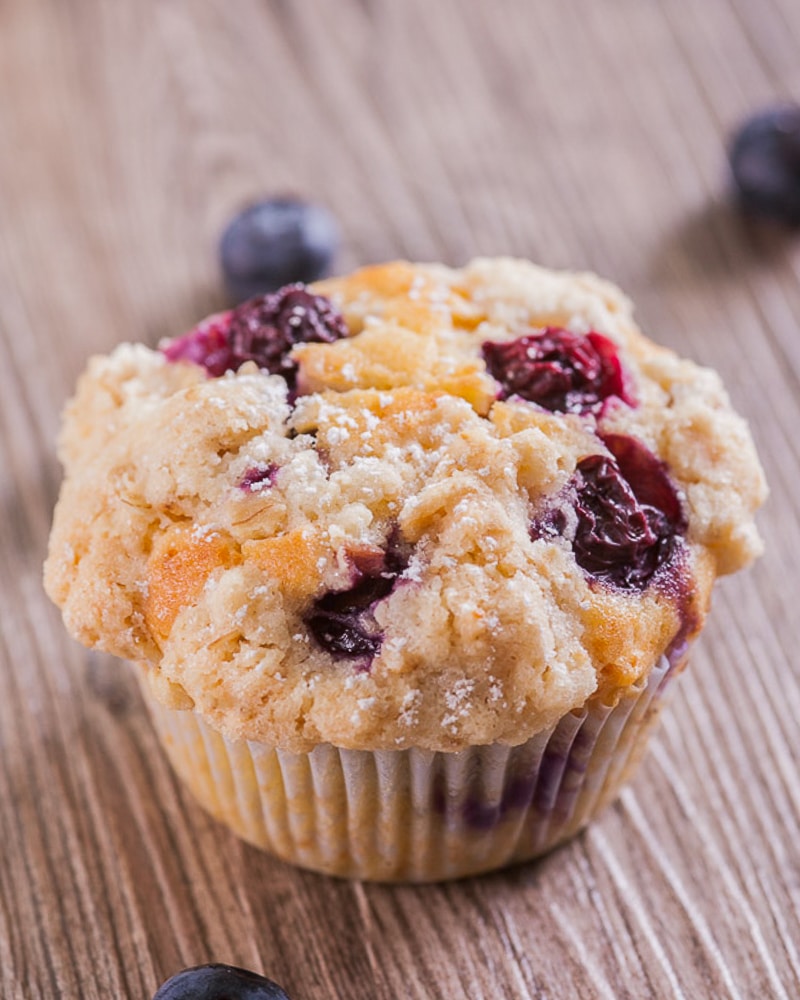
{"x": 277, "y": 242}
{"x": 219, "y": 982}
{"x": 765, "y": 161}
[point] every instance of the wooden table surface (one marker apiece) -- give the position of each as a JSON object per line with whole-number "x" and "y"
{"x": 580, "y": 134}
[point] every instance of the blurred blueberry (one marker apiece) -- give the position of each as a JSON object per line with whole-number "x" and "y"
{"x": 277, "y": 242}
{"x": 219, "y": 982}
{"x": 765, "y": 160}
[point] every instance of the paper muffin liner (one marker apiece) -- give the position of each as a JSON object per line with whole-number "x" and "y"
{"x": 415, "y": 815}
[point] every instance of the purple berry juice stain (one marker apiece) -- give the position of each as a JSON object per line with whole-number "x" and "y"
{"x": 206, "y": 345}
{"x": 259, "y": 478}
{"x": 543, "y": 785}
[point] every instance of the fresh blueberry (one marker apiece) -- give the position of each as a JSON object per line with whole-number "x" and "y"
{"x": 276, "y": 242}
{"x": 765, "y": 161}
{"x": 562, "y": 371}
{"x": 219, "y": 982}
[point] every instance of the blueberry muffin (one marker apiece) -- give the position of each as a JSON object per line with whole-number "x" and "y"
{"x": 405, "y": 558}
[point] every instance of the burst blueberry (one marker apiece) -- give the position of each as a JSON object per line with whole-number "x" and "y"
{"x": 627, "y": 513}
{"x": 219, "y": 982}
{"x": 274, "y": 243}
{"x": 765, "y": 161}
{"x": 562, "y": 371}
{"x": 263, "y": 330}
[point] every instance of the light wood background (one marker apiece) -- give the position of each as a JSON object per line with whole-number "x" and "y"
{"x": 579, "y": 133}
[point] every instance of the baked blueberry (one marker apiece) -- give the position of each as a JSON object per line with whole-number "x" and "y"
{"x": 219, "y": 982}
{"x": 562, "y": 371}
{"x": 342, "y": 622}
{"x": 276, "y": 242}
{"x": 626, "y": 514}
{"x": 266, "y": 328}
{"x": 263, "y": 330}
{"x": 765, "y": 161}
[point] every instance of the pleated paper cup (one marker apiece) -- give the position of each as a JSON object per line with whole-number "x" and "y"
{"x": 416, "y": 815}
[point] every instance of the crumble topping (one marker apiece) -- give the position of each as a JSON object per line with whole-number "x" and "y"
{"x": 339, "y": 516}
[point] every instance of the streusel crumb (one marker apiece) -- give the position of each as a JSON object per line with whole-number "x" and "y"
{"x": 414, "y": 506}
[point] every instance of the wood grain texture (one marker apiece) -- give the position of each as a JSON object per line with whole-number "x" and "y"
{"x": 580, "y": 134}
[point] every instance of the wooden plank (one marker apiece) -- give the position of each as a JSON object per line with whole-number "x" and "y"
{"x": 579, "y": 134}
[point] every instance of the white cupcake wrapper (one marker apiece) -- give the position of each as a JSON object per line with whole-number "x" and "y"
{"x": 415, "y": 815}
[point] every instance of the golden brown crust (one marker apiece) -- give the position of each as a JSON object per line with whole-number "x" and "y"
{"x": 491, "y": 631}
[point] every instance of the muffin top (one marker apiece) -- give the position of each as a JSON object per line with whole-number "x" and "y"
{"x": 414, "y": 506}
